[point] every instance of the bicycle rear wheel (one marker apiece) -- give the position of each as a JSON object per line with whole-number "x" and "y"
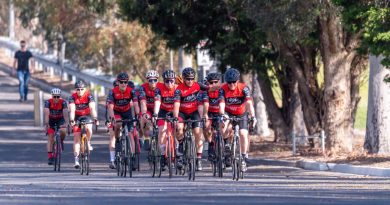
{"x": 220, "y": 154}
{"x": 129, "y": 157}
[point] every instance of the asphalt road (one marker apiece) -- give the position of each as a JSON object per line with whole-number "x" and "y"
{"x": 25, "y": 178}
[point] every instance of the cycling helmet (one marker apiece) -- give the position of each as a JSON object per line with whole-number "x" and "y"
{"x": 213, "y": 76}
{"x": 188, "y": 72}
{"x": 122, "y": 77}
{"x": 79, "y": 84}
{"x": 151, "y": 74}
{"x": 55, "y": 91}
{"x": 169, "y": 74}
{"x": 130, "y": 84}
{"x": 232, "y": 74}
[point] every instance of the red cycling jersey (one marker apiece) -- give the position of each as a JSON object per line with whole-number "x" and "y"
{"x": 166, "y": 96}
{"x": 188, "y": 97}
{"x": 234, "y": 99}
{"x": 121, "y": 101}
{"x": 212, "y": 97}
{"x": 56, "y": 109}
{"x": 147, "y": 94}
{"x": 82, "y": 103}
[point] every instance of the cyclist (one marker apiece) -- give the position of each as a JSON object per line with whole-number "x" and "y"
{"x": 81, "y": 105}
{"x": 186, "y": 107}
{"x": 235, "y": 100}
{"x": 119, "y": 108}
{"x": 210, "y": 101}
{"x": 163, "y": 104}
{"x": 56, "y": 113}
{"x": 146, "y": 97}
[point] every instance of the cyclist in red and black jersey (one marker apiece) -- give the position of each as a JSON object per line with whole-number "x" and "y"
{"x": 235, "y": 99}
{"x": 119, "y": 108}
{"x": 186, "y": 107}
{"x": 81, "y": 105}
{"x": 146, "y": 98}
{"x": 210, "y": 101}
{"x": 164, "y": 98}
{"x": 56, "y": 113}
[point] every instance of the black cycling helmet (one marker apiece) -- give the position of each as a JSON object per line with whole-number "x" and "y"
{"x": 122, "y": 77}
{"x": 169, "y": 74}
{"x": 232, "y": 74}
{"x": 213, "y": 76}
{"x": 130, "y": 84}
{"x": 188, "y": 72}
{"x": 79, "y": 84}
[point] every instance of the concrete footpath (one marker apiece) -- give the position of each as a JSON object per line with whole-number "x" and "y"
{"x": 323, "y": 166}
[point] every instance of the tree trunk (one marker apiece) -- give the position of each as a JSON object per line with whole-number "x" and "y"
{"x": 251, "y": 81}
{"x": 378, "y": 127}
{"x": 337, "y": 53}
{"x": 185, "y": 60}
{"x": 262, "y": 128}
{"x": 278, "y": 124}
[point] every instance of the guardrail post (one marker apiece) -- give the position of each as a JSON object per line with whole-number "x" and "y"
{"x": 323, "y": 141}
{"x": 65, "y": 76}
{"x": 294, "y": 148}
{"x": 38, "y": 108}
{"x": 51, "y": 71}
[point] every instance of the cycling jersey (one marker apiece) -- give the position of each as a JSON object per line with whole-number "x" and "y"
{"x": 56, "y": 109}
{"x": 166, "y": 96}
{"x": 147, "y": 94}
{"x": 188, "y": 97}
{"x": 121, "y": 100}
{"x": 234, "y": 99}
{"x": 82, "y": 103}
{"x": 212, "y": 97}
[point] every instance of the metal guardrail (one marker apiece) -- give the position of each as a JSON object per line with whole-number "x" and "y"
{"x": 52, "y": 61}
{"x": 320, "y": 135}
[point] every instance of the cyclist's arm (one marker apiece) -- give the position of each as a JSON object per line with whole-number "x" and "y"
{"x": 205, "y": 101}
{"x": 222, "y": 102}
{"x": 249, "y": 102}
{"x": 66, "y": 117}
{"x": 92, "y": 106}
{"x": 176, "y": 105}
{"x": 143, "y": 106}
{"x": 72, "y": 109}
{"x": 136, "y": 108}
{"x": 157, "y": 101}
{"x": 111, "y": 111}
{"x": 46, "y": 112}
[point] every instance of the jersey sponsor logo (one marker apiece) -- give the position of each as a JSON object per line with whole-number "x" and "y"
{"x": 234, "y": 101}
{"x": 188, "y": 105}
{"x": 213, "y": 101}
{"x": 149, "y": 99}
{"x": 169, "y": 99}
{"x": 190, "y": 98}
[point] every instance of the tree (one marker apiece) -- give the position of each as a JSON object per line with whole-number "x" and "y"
{"x": 372, "y": 19}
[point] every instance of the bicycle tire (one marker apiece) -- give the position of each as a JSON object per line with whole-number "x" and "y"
{"x": 129, "y": 157}
{"x": 169, "y": 151}
{"x": 220, "y": 158}
{"x": 58, "y": 154}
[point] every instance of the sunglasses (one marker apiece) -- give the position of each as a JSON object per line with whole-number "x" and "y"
{"x": 190, "y": 79}
{"x": 56, "y": 96}
{"x": 213, "y": 82}
{"x": 169, "y": 81}
{"x": 79, "y": 89}
{"x": 152, "y": 80}
{"x": 123, "y": 82}
{"x": 231, "y": 82}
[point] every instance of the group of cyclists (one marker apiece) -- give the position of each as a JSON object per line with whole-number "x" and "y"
{"x": 179, "y": 95}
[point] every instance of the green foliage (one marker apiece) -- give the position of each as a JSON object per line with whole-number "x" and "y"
{"x": 372, "y": 17}
{"x": 229, "y": 32}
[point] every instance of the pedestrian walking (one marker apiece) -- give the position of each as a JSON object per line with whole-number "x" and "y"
{"x": 21, "y": 65}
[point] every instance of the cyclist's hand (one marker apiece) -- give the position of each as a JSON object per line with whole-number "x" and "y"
{"x": 253, "y": 123}
{"x": 154, "y": 118}
{"x": 45, "y": 127}
{"x": 72, "y": 123}
{"x": 96, "y": 121}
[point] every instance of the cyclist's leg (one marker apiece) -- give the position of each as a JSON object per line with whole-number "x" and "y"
{"x": 198, "y": 139}
{"x": 162, "y": 129}
{"x": 111, "y": 146}
{"x": 76, "y": 145}
{"x": 50, "y": 142}
{"x": 244, "y": 142}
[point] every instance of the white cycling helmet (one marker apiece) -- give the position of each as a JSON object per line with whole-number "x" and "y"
{"x": 55, "y": 91}
{"x": 151, "y": 74}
